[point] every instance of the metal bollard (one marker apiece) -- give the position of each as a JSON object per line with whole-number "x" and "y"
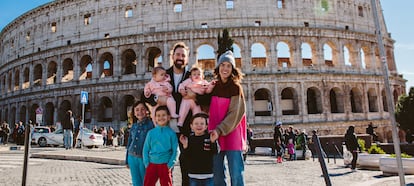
{"x": 318, "y": 148}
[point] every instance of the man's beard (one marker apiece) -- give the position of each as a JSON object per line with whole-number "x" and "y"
{"x": 177, "y": 65}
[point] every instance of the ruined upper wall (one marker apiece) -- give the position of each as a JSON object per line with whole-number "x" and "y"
{"x": 32, "y": 32}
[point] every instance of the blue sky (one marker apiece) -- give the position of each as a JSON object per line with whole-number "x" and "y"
{"x": 398, "y": 16}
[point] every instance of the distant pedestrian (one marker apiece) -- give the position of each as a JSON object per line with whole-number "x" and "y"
{"x": 160, "y": 150}
{"x": 291, "y": 149}
{"x": 278, "y": 140}
{"x": 104, "y": 134}
{"x": 352, "y": 145}
{"x": 111, "y": 134}
{"x": 409, "y": 136}
{"x": 138, "y": 132}
{"x": 68, "y": 126}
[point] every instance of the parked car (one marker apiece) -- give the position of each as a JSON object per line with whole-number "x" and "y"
{"x": 38, "y": 131}
{"x": 86, "y": 138}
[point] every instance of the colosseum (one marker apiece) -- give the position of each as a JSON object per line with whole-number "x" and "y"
{"x": 313, "y": 64}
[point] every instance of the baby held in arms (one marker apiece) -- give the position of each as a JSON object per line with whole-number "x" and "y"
{"x": 160, "y": 86}
{"x": 195, "y": 84}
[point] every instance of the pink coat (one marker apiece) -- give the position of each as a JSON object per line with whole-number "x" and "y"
{"x": 235, "y": 140}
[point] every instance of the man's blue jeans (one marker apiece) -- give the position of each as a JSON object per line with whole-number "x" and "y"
{"x": 67, "y": 138}
{"x": 236, "y": 168}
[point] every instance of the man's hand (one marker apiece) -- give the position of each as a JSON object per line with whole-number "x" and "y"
{"x": 191, "y": 94}
{"x": 162, "y": 100}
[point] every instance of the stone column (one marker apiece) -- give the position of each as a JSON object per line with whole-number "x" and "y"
{"x": 272, "y": 59}
{"x": 59, "y": 69}
{"x": 44, "y": 72}
{"x": 76, "y": 66}
{"x": 117, "y": 64}
{"x": 95, "y": 64}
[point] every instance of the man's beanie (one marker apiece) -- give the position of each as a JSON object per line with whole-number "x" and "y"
{"x": 227, "y": 57}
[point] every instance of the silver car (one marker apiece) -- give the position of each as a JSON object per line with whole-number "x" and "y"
{"x": 86, "y": 137}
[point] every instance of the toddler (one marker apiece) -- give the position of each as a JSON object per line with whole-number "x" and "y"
{"x": 160, "y": 86}
{"x": 291, "y": 149}
{"x": 196, "y": 84}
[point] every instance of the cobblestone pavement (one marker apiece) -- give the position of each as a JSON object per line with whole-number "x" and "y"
{"x": 260, "y": 170}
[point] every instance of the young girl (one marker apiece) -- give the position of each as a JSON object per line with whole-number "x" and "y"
{"x": 137, "y": 134}
{"x": 160, "y": 86}
{"x": 291, "y": 150}
{"x": 160, "y": 150}
{"x": 227, "y": 121}
{"x": 202, "y": 148}
{"x": 196, "y": 84}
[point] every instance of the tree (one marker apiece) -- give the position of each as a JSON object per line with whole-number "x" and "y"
{"x": 404, "y": 113}
{"x": 225, "y": 43}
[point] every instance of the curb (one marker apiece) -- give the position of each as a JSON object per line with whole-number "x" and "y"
{"x": 94, "y": 159}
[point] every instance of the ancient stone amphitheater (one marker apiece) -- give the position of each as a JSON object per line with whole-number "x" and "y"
{"x": 313, "y": 64}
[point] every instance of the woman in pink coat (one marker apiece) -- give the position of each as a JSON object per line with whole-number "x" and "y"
{"x": 227, "y": 121}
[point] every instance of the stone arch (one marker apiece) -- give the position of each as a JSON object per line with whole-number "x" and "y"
{"x": 37, "y": 75}
{"x": 258, "y": 55}
{"x": 85, "y": 67}
{"x": 336, "y": 99}
{"x": 127, "y": 102}
{"x": 153, "y": 56}
{"x": 355, "y": 96}
{"x": 13, "y": 114}
{"x": 26, "y": 78}
{"x": 283, "y": 55}
{"x": 262, "y": 102}
{"x": 51, "y": 73}
{"x": 16, "y": 79}
{"x": 372, "y": 100}
{"x": 6, "y": 116}
{"x": 289, "y": 101}
{"x": 32, "y": 112}
{"x": 347, "y": 56}
{"x": 22, "y": 116}
{"x": 49, "y": 113}
{"x": 384, "y": 101}
{"x": 328, "y": 54}
{"x": 106, "y": 65}
{"x": 105, "y": 109}
{"x": 306, "y": 53}
{"x": 395, "y": 95}
{"x": 129, "y": 62}
{"x": 67, "y": 70}
{"x": 206, "y": 57}
{"x": 237, "y": 55}
{"x": 314, "y": 100}
{"x": 362, "y": 56}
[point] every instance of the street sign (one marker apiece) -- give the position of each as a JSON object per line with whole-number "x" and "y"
{"x": 84, "y": 97}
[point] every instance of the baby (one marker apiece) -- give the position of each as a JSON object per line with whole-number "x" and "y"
{"x": 196, "y": 84}
{"x": 160, "y": 86}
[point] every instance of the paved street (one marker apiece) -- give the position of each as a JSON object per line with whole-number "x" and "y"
{"x": 260, "y": 170}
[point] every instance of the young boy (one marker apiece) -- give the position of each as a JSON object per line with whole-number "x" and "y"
{"x": 202, "y": 151}
{"x": 160, "y": 150}
{"x": 160, "y": 86}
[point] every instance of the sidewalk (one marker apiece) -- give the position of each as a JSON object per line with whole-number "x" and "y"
{"x": 259, "y": 169}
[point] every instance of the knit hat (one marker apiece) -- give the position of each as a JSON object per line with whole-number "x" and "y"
{"x": 227, "y": 57}
{"x": 278, "y": 123}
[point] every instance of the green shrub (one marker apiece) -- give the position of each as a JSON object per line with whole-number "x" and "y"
{"x": 403, "y": 155}
{"x": 374, "y": 149}
{"x": 361, "y": 144}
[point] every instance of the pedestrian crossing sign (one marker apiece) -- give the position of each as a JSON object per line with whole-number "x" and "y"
{"x": 84, "y": 97}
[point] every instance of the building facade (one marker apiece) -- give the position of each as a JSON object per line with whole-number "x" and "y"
{"x": 318, "y": 64}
